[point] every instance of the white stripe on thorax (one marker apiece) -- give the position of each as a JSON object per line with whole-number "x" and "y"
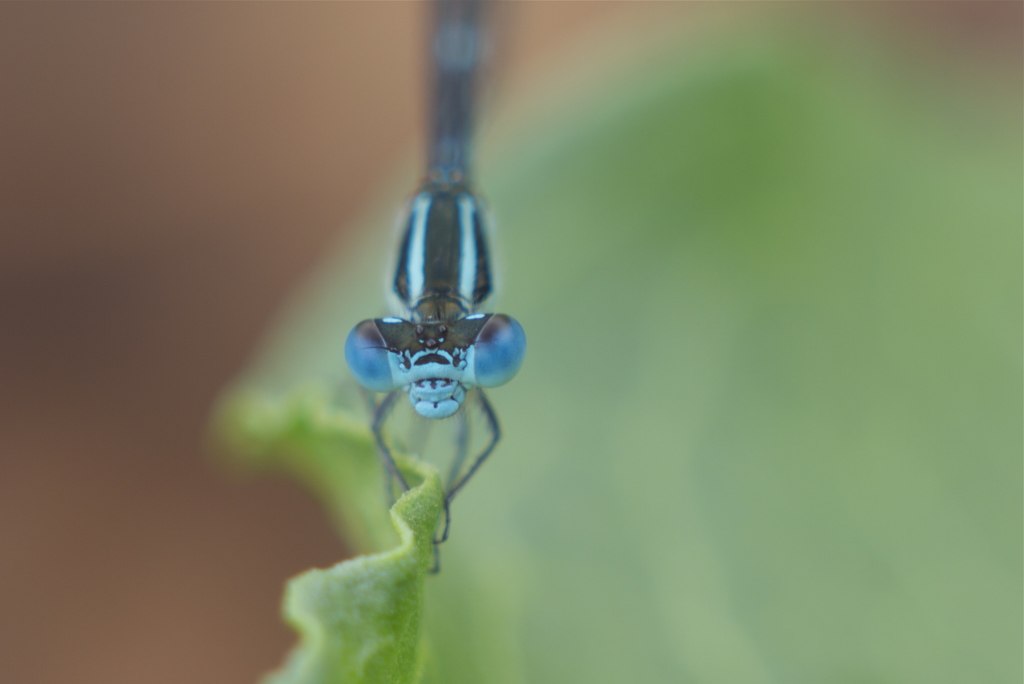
{"x": 467, "y": 248}
{"x": 415, "y": 257}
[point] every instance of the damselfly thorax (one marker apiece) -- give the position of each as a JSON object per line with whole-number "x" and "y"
{"x": 443, "y": 271}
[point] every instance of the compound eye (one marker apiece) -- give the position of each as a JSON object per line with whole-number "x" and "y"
{"x": 499, "y": 350}
{"x": 367, "y": 358}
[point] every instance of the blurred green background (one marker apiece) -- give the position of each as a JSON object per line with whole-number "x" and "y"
{"x": 769, "y": 428}
{"x": 768, "y": 256}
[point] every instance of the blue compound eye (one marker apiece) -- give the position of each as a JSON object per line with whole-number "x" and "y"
{"x": 367, "y": 356}
{"x": 498, "y": 351}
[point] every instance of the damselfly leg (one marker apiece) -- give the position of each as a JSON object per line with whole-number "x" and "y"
{"x": 461, "y": 447}
{"x": 455, "y": 482}
{"x": 456, "y": 479}
{"x": 380, "y": 415}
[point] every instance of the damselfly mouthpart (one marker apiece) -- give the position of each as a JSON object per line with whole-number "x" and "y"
{"x": 441, "y": 349}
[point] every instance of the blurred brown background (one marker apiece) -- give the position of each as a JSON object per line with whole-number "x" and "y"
{"x": 167, "y": 173}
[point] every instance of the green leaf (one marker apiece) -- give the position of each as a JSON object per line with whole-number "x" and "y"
{"x": 359, "y": 621}
{"x": 769, "y": 427}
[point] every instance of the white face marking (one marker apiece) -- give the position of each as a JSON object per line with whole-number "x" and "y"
{"x": 391, "y": 319}
{"x": 475, "y": 317}
{"x": 436, "y": 388}
{"x": 414, "y": 264}
{"x": 438, "y": 406}
{"x": 467, "y": 251}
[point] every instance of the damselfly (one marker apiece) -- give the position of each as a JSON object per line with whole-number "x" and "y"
{"x": 439, "y": 348}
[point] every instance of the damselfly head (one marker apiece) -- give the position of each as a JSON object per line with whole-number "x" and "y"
{"x": 436, "y": 362}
